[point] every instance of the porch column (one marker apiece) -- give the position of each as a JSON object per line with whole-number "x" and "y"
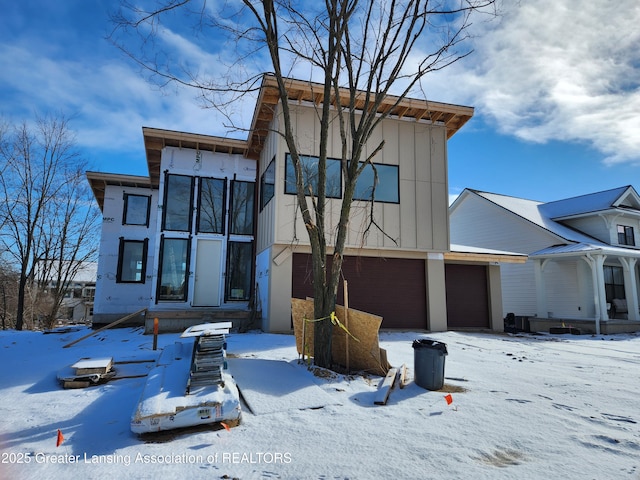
{"x": 596, "y": 262}
{"x": 630, "y": 286}
{"x": 541, "y": 289}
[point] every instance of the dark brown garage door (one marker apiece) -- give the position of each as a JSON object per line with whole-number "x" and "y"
{"x": 467, "y": 296}
{"x": 393, "y": 288}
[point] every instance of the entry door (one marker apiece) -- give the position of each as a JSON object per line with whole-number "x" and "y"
{"x": 206, "y": 291}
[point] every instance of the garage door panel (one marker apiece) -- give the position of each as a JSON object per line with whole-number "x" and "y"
{"x": 467, "y": 296}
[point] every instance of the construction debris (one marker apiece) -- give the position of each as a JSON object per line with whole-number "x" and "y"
{"x": 86, "y": 372}
{"x": 385, "y": 386}
{"x": 364, "y": 354}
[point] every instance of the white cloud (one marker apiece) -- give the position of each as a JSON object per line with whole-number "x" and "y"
{"x": 556, "y": 70}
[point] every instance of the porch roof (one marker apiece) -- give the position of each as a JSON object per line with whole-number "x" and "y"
{"x": 580, "y": 249}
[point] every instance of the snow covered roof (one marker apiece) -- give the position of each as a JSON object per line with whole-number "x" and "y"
{"x": 582, "y": 248}
{"x": 531, "y": 211}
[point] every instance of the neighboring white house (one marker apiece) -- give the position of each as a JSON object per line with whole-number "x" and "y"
{"x": 583, "y": 255}
{"x": 215, "y": 228}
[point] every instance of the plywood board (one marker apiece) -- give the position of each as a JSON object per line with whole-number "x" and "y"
{"x": 364, "y": 354}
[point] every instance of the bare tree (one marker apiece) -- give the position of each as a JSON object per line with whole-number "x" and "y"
{"x": 361, "y": 53}
{"x": 50, "y": 222}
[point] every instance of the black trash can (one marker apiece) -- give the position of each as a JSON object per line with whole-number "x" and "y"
{"x": 428, "y": 363}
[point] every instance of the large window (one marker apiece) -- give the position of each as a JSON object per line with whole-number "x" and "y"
{"x": 310, "y": 176}
{"x": 239, "y": 263}
{"x": 211, "y": 203}
{"x": 178, "y": 203}
{"x": 174, "y": 262}
{"x": 241, "y": 209}
{"x": 387, "y": 189}
{"x": 613, "y": 282}
{"x": 625, "y": 235}
{"x": 132, "y": 261}
{"x": 136, "y": 209}
{"x": 268, "y": 184}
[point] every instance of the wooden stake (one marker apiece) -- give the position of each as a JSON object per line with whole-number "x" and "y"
{"x": 155, "y": 333}
{"x": 346, "y": 324}
{"x": 112, "y": 324}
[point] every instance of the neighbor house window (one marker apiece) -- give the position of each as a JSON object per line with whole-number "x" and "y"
{"x": 310, "y": 176}
{"x": 613, "y": 282}
{"x": 136, "y": 209}
{"x": 387, "y": 188}
{"x": 178, "y": 203}
{"x": 241, "y": 208}
{"x": 174, "y": 267}
{"x": 132, "y": 261}
{"x": 211, "y": 201}
{"x": 268, "y": 184}
{"x": 625, "y": 235}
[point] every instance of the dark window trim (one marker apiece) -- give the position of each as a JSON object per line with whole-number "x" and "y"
{"x": 164, "y": 201}
{"x": 253, "y": 213}
{"x": 291, "y": 189}
{"x": 611, "y": 288}
{"x": 263, "y": 202}
{"x": 626, "y": 236}
{"x": 126, "y": 196}
{"x": 397, "y": 167}
{"x": 143, "y": 273}
{"x": 186, "y": 275}
{"x": 224, "y": 204}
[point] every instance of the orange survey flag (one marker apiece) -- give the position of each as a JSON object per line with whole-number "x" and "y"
{"x": 60, "y": 438}
{"x": 449, "y": 399}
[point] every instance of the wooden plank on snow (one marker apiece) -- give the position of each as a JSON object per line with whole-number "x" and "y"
{"x": 385, "y": 386}
{"x": 403, "y": 375}
{"x": 112, "y": 324}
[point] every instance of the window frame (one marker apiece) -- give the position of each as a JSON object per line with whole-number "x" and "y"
{"x": 224, "y": 205}
{"x": 379, "y": 166}
{"x": 121, "y": 251}
{"x": 290, "y": 184}
{"x": 185, "y": 290}
{"x": 626, "y": 236}
{"x": 232, "y": 194}
{"x": 165, "y": 203}
{"x": 125, "y": 208}
{"x": 612, "y": 288}
{"x": 269, "y": 171}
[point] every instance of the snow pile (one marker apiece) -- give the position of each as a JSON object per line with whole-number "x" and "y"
{"x": 523, "y": 407}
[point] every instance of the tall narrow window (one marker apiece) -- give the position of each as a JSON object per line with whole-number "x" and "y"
{"x": 241, "y": 209}
{"x": 268, "y": 184}
{"x": 239, "y": 262}
{"x": 211, "y": 202}
{"x": 132, "y": 261}
{"x": 178, "y": 203}
{"x": 136, "y": 209}
{"x": 625, "y": 235}
{"x": 613, "y": 282}
{"x": 174, "y": 266}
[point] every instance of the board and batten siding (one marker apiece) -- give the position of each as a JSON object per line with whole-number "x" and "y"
{"x": 418, "y": 222}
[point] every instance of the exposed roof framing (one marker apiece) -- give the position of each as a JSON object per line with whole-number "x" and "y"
{"x": 99, "y": 182}
{"x": 156, "y": 139}
{"x": 452, "y": 116}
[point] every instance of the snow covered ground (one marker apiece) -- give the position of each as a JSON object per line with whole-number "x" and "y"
{"x": 523, "y": 407}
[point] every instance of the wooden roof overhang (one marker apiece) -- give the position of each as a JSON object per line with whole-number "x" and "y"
{"x": 156, "y": 139}
{"x": 453, "y": 117}
{"x": 99, "y": 181}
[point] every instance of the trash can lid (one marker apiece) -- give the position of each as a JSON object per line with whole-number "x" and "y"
{"x": 429, "y": 343}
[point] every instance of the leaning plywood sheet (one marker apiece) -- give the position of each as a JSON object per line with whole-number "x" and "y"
{"x": 364, "y": 354}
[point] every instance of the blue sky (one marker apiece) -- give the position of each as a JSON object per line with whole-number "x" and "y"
{"x": 556, "y": 92}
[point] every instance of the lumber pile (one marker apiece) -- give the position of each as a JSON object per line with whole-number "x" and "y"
{"x": 86, "y": 372}
{"x": 364, "y": 354}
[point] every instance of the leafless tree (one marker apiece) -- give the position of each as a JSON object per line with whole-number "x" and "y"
{"x": 360, "y": 52}
{"x": 50, "y": 223}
